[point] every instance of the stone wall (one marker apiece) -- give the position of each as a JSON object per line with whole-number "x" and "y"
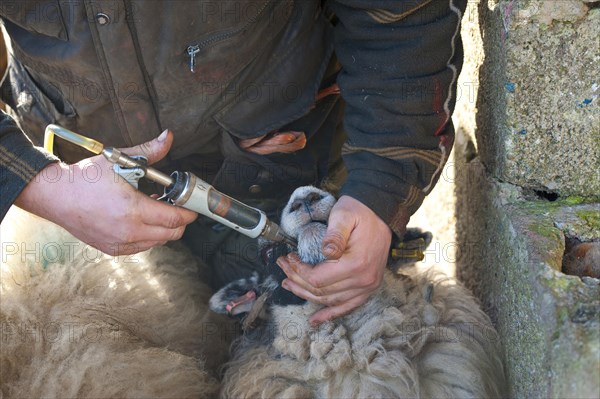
{"x": 527, "y": 170}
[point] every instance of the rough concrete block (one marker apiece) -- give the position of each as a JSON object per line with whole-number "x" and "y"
{"x": 511, "y": 256}
{"x": 539, "y": 102}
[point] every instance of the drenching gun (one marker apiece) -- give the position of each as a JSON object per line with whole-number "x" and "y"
{"x": 180, "y": 188}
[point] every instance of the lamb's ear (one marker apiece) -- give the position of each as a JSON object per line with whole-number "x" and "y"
{"x": 236, "y": 297}
{"x": 423, "y": 238}
{"x": 410, "y": 249}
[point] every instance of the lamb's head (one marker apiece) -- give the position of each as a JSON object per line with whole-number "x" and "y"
{"x": 305, "y": 218}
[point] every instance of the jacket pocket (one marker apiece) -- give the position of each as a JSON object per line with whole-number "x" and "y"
{"x": 250, "y": 177}
{"x": 284, "y": 88}
{"x": 40, "y": 16}
{"x": 36, "y": 104}
{"x": 217, "y": 47}
{"x": 257, "y": 16}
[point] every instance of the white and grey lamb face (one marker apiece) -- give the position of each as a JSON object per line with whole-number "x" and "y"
{"x": 305, "y": 218}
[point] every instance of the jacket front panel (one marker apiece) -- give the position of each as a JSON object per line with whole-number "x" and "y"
{"x": 110, "y": 69}
{"x": 125, "y": 67}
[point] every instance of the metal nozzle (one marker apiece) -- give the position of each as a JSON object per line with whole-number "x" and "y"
{"x": 124, "y": 160}
{"x": 273, "y": 232}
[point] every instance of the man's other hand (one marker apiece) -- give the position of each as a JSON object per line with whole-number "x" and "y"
{"x": 102, "y": 209}
{"x": 356, "y": 245}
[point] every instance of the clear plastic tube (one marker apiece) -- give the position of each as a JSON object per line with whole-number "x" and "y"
{"x": 89, "y": 144}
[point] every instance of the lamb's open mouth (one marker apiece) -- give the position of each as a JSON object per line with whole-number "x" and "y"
{"x": 241, "y": 304}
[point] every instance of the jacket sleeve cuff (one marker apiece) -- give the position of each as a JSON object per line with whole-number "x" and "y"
{"x": 20, "y": 162}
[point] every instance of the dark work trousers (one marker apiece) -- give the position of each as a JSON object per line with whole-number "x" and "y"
{"x": 231, "y": 255}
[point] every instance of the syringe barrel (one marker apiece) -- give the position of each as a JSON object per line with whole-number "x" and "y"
{"x": 195, "y": 194}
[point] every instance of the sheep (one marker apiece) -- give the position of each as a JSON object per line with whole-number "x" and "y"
{"x": 77, "y": 323}
{"x": 419, "y": 335}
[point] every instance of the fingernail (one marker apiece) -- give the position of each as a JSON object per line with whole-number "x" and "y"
{"x": 285, "y": 285}
{"x": 329, "y": 249}
{"x": 163, "y": 136}
{"x": 314, "y": 323}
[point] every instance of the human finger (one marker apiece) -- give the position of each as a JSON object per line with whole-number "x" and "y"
{"x": 339, "y": 229}
{"x": 159, "y": 213}
{"x": 325, "y": 274}
{"x": 159, "y": 233}
{"x": 153, "y": 150}
{"x": 120, "y": 249}
{"x": 327, "y": 300}
{"x": 301, "y": 274}
{"x": 333, "y": 312}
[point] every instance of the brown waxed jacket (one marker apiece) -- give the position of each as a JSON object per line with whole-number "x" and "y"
{"x": 217, "y": 72}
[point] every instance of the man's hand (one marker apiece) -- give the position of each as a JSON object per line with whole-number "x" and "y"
{"x": 102, "y": 209}
{"x": 356, "y": 244}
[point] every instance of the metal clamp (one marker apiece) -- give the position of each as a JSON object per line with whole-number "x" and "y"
{"x": 132, "y": 175}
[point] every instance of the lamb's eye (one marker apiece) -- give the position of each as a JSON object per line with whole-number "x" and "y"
{"x": 295, "y": 206}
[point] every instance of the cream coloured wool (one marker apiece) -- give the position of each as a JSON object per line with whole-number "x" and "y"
{"x": 419, "y": 335}
{"x": 77, "y": 323}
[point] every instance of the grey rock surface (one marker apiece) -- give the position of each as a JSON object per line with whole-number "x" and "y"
{"x": 512, "y": 252}
{"x": 539, "y": 102}
{"x": 533, "y": 124}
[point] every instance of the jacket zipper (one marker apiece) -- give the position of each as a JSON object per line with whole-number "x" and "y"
{"x": 194, "y": 49}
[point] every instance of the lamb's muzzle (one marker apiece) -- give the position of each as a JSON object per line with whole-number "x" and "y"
{"x": 305, "y": 219}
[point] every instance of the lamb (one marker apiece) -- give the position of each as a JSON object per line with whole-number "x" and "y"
{"x": 419, "y": 335}
{"x": 77, "y": 323}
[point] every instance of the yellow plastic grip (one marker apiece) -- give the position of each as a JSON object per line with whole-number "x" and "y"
{"x": 89, "y": 144}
